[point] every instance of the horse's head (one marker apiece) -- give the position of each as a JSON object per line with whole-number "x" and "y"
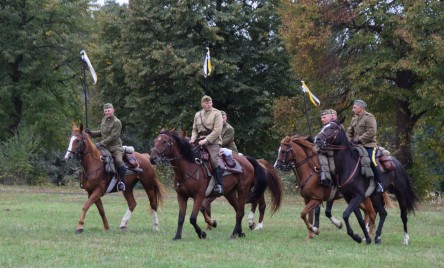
{"x": 163, "y": 147}
{"x": 328, "y": 134}
{"x": 285, "y": 160}
{"x": 80, "y": 144}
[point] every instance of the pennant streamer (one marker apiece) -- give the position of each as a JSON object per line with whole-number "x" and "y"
{"x": 207, "y": 63}
{"x": 312, "y": 97}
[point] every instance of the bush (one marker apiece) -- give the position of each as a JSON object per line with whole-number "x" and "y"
{"x": 17, "y": 159}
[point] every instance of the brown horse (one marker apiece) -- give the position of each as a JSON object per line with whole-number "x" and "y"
{"x": 273, "y": 177}
{"x": 96, "y": 181}
{"x": 298, "y": 154}
{"x": 191, "y": 181}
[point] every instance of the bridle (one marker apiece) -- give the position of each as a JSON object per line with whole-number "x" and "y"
{"x": 79, "y": 153}
{"x": 164, "y": 160}
{"x": 330, "y": 137}
{"x": 292, "y": 164}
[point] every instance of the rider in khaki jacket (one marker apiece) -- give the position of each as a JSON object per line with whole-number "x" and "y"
{"x": 362, "y": 130}
{"x": 207, "y": 128}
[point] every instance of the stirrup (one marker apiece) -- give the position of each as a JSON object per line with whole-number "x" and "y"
{"x": 120, "y": 186}
{"x": 379, "y": 188}
{"x": 218, "y": 189}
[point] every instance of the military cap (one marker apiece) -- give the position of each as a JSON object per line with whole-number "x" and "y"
{"x": 223, "y": 113}
{"x": 325, "y": 112}
{"x": 107, "y": 106}
{"x": 333, "y": 111}
{"x": 206, "y": 98}
{"x": 360, "y": 103}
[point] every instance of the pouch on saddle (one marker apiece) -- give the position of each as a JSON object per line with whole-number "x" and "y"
{"x": 366, "y": 169}
{"x": 385, "y": 160}
{"x": 108, "y": 161}
{"x": 130, "y": 158}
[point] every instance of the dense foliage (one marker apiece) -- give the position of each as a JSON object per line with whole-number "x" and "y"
{"x": 149, "y": 57}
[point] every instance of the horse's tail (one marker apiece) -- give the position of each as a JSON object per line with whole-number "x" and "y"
{"x": 403, "y": 188}
{"x": 260, "y": 185}
{"x": 274, "y": 183}
{"x": 156, "y": 186}
{"x": 388, "y": 202}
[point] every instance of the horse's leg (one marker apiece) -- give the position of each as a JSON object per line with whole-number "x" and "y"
{"x": 370, "y": 215}
{"x": 152, "y": 197}
{"x": 317, "y": 213}
{"x": 101, "y": 210}
{"x": 92, "y": 198}
{"x": 239, "y": 208}
{"x": 332, "y": 218}
{"x": 182, "y": 210}
{"x": 353, "y": 206}
{"x": 262, "y": 207}
{"x": 131, "y": 202}
{"x": 378, "y": 204}
{"x": 251, "y": 223}
{"x": 206, "y": 213}
{"x": 197, "y": 205}
{"x": 404, "y": 222}
{"x": 309, "y": 207}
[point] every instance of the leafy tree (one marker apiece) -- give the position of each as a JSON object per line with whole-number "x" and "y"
{"x": 386, "y": 52}
{"x": 39, "y": 84}
{"x": 162, "y": 46}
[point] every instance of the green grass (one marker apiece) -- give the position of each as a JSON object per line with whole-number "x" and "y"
{"x": 37, "y": 229}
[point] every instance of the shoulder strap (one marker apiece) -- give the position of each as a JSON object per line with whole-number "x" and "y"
{"x": 203, "y": 124}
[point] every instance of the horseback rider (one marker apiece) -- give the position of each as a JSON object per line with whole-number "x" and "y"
{"x": 362, "y": 130}
{"x": 326, "y": 157}
{"x": 110, "y": 131}
{"x": 228, "y": 144}
{"x": 207, "y": 129}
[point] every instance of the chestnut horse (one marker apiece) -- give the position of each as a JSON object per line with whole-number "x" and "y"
{"x": 273, "y": 177}
{"x": 355, "y": 186}
{"x": 96, "y": 181}
{"x": 191, "y": 181}
{"x": 297, "y": 153}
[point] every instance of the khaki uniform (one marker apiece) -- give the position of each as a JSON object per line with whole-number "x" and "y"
{"x": 228, "y": 137}
{"x": 363, "y": 128}
{"x": 208, "y": 125}
{"x": 110, "y": 131}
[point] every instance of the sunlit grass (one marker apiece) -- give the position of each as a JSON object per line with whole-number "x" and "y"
{"x": 37, "y": 229}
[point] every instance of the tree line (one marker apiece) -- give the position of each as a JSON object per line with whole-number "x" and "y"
{"x": 148, "y": 57}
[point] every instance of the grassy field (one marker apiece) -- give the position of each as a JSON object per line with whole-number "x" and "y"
{"x": 37, "y": 229}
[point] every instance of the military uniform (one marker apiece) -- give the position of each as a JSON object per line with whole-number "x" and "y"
{"x": 208, "y": 125}
{"x": 362, "y": 130}
{"x": 326, "y": 158}
{"x": 110, "y": 131}
{"x": 228, "y": 137}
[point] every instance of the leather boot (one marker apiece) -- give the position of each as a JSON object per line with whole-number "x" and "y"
{"x": 219, "y": 189}
{"x": 121, "y": 184}
{"x": 377, "y": 178}
{"x": 324, "y": 180}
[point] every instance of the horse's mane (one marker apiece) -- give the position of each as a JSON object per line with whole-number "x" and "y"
{"x": 185, "y": 147}
{"x": 303, "y": 141}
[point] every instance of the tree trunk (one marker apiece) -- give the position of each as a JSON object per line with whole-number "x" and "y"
{"x": 404, "y": 129}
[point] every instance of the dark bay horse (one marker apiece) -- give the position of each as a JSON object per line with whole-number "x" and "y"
{"x": 96, "y": 181}
{"x": 274, "y": 178}
{"x": 298, "y": 154}
{"x": 354, "y": 185}
{"x": 191, "y": 181}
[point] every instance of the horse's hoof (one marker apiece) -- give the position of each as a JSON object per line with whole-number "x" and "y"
{"x": 177, "y": 238}
{"x": 214, "y": 224}
{"x": 202, "y": 235}
{"x": 123, "y": 228}
{"x": 368, "y": 241}
{"x": 340, "y": 226}
{"x": 378, "y": 240}
{"x": 357, "y": 238}
{"x": 156, "y": 228}
{"x": 251, "y": 225}
{"x": 209, "y": 227}
{"x": 242, "y": 235}
{"x": 316, "y": 231}
{"x": 79, "y": 231}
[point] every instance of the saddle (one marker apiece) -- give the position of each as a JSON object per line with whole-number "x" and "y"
{"x": 129, "y": 158}
{"x": 230, "y": 165}
{"x": 385, "y": 160}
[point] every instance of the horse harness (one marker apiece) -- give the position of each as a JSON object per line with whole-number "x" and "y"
{"x": 167, "y": 161}
{"x": 79, "y": 153}
{"x": 293, "y": 165}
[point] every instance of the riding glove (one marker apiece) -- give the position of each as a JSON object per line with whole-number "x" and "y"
{"x": 88, "y": 131}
